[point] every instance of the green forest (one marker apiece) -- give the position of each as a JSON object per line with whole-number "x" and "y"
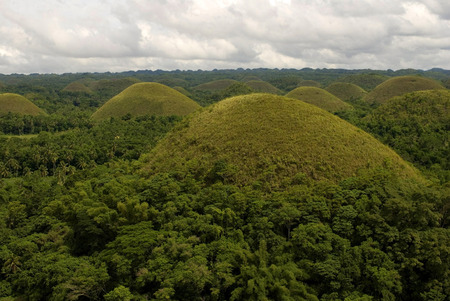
{"x": 221, "y": 185}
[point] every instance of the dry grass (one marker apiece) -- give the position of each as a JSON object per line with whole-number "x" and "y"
{"x": 400, "y": 85}
{"x": 146, "y": 98}
{"x": 262, "y": 87}
{"x": 15, "y": 103}
{"x": 264, "y": 137}
{"x": 346, "y": 91}
{"x": 320, "y": 98}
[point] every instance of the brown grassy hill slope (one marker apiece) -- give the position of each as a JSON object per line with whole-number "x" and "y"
{"x": 15, "y": 103}
{"x": 146, "y": 98}
{"x": 346, "y": 91}
{"x": 263, "y": 87}
{"x": 270, "y": 138}
{"x": 400, "y": 85}
{"x": 320, "y": 98}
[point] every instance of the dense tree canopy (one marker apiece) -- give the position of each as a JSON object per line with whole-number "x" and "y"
{"x": 80, "y": 219}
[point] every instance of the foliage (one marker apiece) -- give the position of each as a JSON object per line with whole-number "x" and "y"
{"x": 417, "y": 126}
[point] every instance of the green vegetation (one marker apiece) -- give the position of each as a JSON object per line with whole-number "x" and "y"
{"x": 366, "y": 81}
{"x": 417, "y": 126}
{"x": 263, "y": 137}
{"x": 400, "y": 85}
{"x": 262, "y": 87}
{"x": 216, "y": 85}
{"x": 268, "y": 198}
{"x": 346, "y": 91}
{"x": 14, "y": 103}
{"x": 320, "y": 98}
{"x": 146, "y": 98}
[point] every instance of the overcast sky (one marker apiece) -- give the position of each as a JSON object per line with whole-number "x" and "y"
{"x": 58, "y": 36}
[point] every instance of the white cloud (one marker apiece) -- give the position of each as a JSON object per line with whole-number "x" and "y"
{"x": 102, "y": 35}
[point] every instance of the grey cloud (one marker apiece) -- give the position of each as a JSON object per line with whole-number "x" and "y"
{"x": 116, "y": 35}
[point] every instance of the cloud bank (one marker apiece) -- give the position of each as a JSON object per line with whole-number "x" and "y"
{"x": 57, "y": 36}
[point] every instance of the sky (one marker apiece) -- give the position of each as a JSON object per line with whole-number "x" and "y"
{"x": 63, "y": 36}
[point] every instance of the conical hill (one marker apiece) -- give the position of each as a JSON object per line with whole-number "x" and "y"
{"x": 320, "y": 98}
{"x": 346, "y": 91}
{"x": 216, "y": 85}
{"x": 146, "y": 98}
{"x": 262, "y": 87}
{"x": 270, "y": 138}
{"x": 15, "y": 103}
{"x": 400, "y": 85}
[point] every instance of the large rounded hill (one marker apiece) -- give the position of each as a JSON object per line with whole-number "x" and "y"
{"x": 400, "y": 85}
{"x": 146, "y": 98}
{"x": 272, "y": 139}
{"x": 15, "y": 103}
{"x": 320, "y": 98}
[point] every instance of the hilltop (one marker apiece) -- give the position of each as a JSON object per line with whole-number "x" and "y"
{"x": 216, "y": 85}
{"x": 146, "y": 98}
{"x": 262, "y": 87}
{"x": 77, "y": 87}
{"x": 366, "y": 81}
{"x": 320, "y": 98}
{"x": 270, "y": 138}
{"x": 346, "y": 91}
{"x": 15, "y": 103}
{"x": 400, "y": 85}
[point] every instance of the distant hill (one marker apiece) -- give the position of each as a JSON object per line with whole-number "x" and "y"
{"x": 346, "y": 91}
{"x": 146, "y": 98}
{"x": 366, "y": 81}
{"x": 320, "y": 98}
{"x": 77, "y": 87}
{"x": 309, "y": 83}
{"x": 272, "y": 139}
{"x": 216, "y": 85}
{"x": 15, "y": 103}
{"x": 182, "y": 90}
{"x": 262, "y": 87}
{"x": 417, "y": 126}
{"x": 110, "y": 87}
{"x": 400, "y": 85}
{"x": 248, "y": 78}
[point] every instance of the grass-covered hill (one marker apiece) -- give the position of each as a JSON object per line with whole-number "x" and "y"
{"x": 263, "y": 87}
{"x": 15, "y": 103}
{"x": 216, "y": 85}
{"x": 400, "y": 85}
{"x": 346, "y": 91}
{"x": 320, "y": 98}
{"x": 417, "y": 126}
{"x": 309, "y": 83}
{"x": 146, "y": 98}
{"x": 272, "y": 139}
{"x": 77, "y": 87}
{"x": 366, "y": 81}
{"x": 182, "y": 90}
